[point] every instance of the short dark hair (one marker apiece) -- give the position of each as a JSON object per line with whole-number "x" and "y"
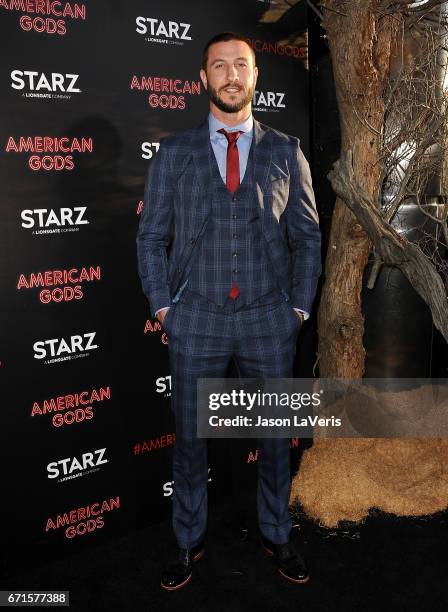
{"x": 224, "y": 37}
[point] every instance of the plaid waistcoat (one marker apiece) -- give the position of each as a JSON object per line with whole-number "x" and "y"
{"x": 232, "y": 248}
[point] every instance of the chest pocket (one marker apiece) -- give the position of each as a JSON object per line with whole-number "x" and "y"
{"x": 279, "y": 183}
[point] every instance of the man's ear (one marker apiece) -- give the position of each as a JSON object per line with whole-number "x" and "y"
{"x": 203, "y": 76}
{"x": 256, "y": 73}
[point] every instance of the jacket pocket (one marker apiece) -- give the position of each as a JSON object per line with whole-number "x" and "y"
{"x": 280, "y": 195}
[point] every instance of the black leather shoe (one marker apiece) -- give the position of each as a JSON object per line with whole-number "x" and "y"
{"x": 178, "y": 573}
{"x": 289, "y": 563}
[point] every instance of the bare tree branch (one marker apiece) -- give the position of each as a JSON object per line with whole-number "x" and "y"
{"x": 377, "y": 265}
{"x": 423, "y": 7}
{"x": 333, "y": 10}
{"x": 315, "y": 9}
{"x": 390, "y": 69}
{"x": 393, "y": 249}
{"x": 409, "y": 171}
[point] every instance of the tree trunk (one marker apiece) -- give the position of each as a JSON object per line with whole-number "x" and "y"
{"x": 360, "y": 47}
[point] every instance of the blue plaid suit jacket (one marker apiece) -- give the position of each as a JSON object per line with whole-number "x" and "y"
{"x": 177, "y": 207}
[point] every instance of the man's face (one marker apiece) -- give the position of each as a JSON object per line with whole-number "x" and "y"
{"x": 231, "y": 76}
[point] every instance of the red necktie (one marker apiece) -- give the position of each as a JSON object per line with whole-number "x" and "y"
{"x": 233, "y": 160}
{"x": 232, "y": 179}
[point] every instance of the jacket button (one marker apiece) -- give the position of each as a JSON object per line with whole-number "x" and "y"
{"x": 192, "y": 240}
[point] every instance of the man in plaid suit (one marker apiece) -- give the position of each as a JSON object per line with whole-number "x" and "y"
{"x": 241, "y": 276}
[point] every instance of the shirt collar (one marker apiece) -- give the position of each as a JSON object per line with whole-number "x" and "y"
{"x": 215, "y": 125}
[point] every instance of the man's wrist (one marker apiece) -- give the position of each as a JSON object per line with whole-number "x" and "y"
{"x": 302, "y": 314}
{"x": 156, "y": 314}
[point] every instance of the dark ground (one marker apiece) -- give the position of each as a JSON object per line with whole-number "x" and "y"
{"x": 386, "y": 564}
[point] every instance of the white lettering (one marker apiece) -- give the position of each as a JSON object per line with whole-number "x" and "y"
{"x": 159, "y": 28}
{"x": 58, "y": 346}
{"x": 36, "y": 81}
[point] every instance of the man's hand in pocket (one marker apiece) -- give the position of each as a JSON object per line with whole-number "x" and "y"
{"x": 161, "y": 314}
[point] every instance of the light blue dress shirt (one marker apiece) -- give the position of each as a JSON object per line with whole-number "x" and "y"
{"x": 219, "y": 143}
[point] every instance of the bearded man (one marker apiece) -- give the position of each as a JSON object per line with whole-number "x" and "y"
{"x": 240, "y": 278}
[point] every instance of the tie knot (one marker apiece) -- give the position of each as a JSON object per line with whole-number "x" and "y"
{"x": 231, "y": 136}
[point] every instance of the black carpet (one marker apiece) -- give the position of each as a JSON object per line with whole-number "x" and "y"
{"x": 386, "y": 564}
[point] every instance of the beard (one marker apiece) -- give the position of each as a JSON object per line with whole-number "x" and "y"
{"x": 230, "y": 107}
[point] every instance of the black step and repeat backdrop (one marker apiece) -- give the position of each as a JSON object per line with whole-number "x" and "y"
{"x": 87, "y": 92}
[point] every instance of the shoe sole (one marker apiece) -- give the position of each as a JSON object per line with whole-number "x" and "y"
{"x": 198, "y": 556}
{"x": 179, "y": 586}
{"x": 270, "y": 553}
{"x": 292, "y": 579}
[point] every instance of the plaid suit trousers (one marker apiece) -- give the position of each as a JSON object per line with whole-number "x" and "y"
{"x": 203, "y": 338}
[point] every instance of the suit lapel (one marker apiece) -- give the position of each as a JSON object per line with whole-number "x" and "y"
{"x": 262, "y": 154}
{"x": 201, "y": 151}
{"x": 201, "y": 155}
